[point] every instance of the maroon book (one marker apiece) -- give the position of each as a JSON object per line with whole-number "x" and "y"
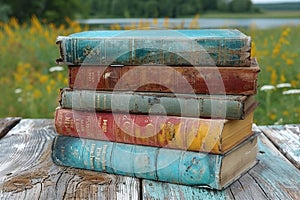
{"x": 175, "y": 79}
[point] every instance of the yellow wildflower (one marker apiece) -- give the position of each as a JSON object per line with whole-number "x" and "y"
{"x": 282, "y": 78}
{"x": 194, "y": 23}
{"x": 36, "y": 25}
{"x": 155, "y": 22}
{"x": 66, "y": 81}
{"x": 52, "y": 83}
{"x": 286, "y": 113}
{"x": 276, "y": 50}
{"x": 273, "y": 77}
{"x": 37, "y": 94}
{"x": 60, "y": 76}
{"x": 284, "y": 56}
{"x": 166, "y": 23}
{"x": 294, "y": 83}
{"x": 282, "y": 40}
{"x": 14, "y": 23}
{"x": 18, "y": 77}
{"x": 285, "y": 33}
{"x": 272, "y": 116}
{"x": 73, "y": 25}
{"x": 43, "y": 79}
{"x": 294, "y": 55}
{"x": 289, "y": 62}
{"x": 49, "y": 89}
{"x": 253, "y": 49}
{"x": 9, "y": 32}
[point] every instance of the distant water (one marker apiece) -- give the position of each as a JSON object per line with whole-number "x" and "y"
{"x": 260, "y": 23}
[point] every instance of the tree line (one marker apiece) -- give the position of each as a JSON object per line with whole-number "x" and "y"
{"x": 57, "y": 10}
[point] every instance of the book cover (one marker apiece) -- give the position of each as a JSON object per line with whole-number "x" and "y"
{"x": 186, "y": 105}
{"x": 214, "y": 47}
{"x": 194, "y": 134}
{"x": 160, "y": 164}
{"x": 204, "y": 80}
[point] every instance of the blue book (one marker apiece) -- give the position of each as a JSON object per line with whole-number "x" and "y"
{"x": 214, "y": 171}
{"x": 205, "y": 47}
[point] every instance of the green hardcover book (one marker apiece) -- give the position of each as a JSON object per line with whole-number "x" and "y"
{"x": 213, "y": 47}
{"x": 186, "y": 105}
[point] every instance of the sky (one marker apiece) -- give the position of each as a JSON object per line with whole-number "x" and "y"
{"x": 273, "y": 1}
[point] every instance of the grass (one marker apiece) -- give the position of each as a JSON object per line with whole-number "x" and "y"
{"x": 30, "y": 82}
{"x": 28, "y": 51}
{"x": 278, "y": 54}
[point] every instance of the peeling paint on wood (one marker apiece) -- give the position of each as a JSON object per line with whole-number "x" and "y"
{"x": 272, "y": 178}
{"x": 27, "y": 171}
{"x": 287, "y": 139}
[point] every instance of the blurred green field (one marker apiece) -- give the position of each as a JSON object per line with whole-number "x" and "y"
{"x": 30, "y": 80}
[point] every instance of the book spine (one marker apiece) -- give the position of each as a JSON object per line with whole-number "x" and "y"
{"x": 142, "y": 103}
{"x": 167, "y": 165}
{"x": 204, "y": 80}
{"x": 194, "y": 134}
{"x": 126, "y": 51}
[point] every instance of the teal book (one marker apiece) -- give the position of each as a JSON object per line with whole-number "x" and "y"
{"x": 204, "y": 47}
{"x": 186, "y": 105}
{"x": 214, "y": 171}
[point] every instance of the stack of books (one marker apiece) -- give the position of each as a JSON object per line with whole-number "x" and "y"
{"x": 168, "y": 105}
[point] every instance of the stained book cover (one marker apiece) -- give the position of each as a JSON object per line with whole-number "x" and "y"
{"x": 194, "y": 134}
{"x": 186, "y": 105}
{"x": 199, "y": 80}
{"x": 213, "y": 47}
{"x": 160, "y": 164}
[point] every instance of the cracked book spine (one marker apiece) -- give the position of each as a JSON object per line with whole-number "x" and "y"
{"x": 197, "y": 105}
{"x": 161, "y": 164}
{"x": 204, "y": 80}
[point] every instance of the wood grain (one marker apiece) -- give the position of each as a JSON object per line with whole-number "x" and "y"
{"x": 265, "y": 181}
{"x": 6, "y": 124}
{"x": 287, "y": 139}
{"x": 27, "y": 171}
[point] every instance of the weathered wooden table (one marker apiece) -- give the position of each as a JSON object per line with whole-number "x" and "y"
{"x": 27, "y": 171}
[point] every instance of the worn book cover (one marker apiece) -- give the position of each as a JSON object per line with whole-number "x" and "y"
{"x": 201, "y": 80}
{"x": 186, "y": 105}
{"x": 213, "y": 47}
{"x": 160, "y": 164}
{"x": 194, "y": 134}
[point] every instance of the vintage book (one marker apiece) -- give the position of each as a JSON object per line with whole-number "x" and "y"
{"x": 214, "y": 47}
{"x": 160, "y": 164}
{"x": 194, "y": 134}
{"x": 205, "y": 80}
{"x": 186, "y": 105}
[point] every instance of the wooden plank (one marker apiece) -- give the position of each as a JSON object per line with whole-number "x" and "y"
{"x": 287, "y": 139}
{"x": 161, "y": 191}
{"x": 274, "y": 177}
{"x": 6, "y": 124}
{"x": 27, "y": 171}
